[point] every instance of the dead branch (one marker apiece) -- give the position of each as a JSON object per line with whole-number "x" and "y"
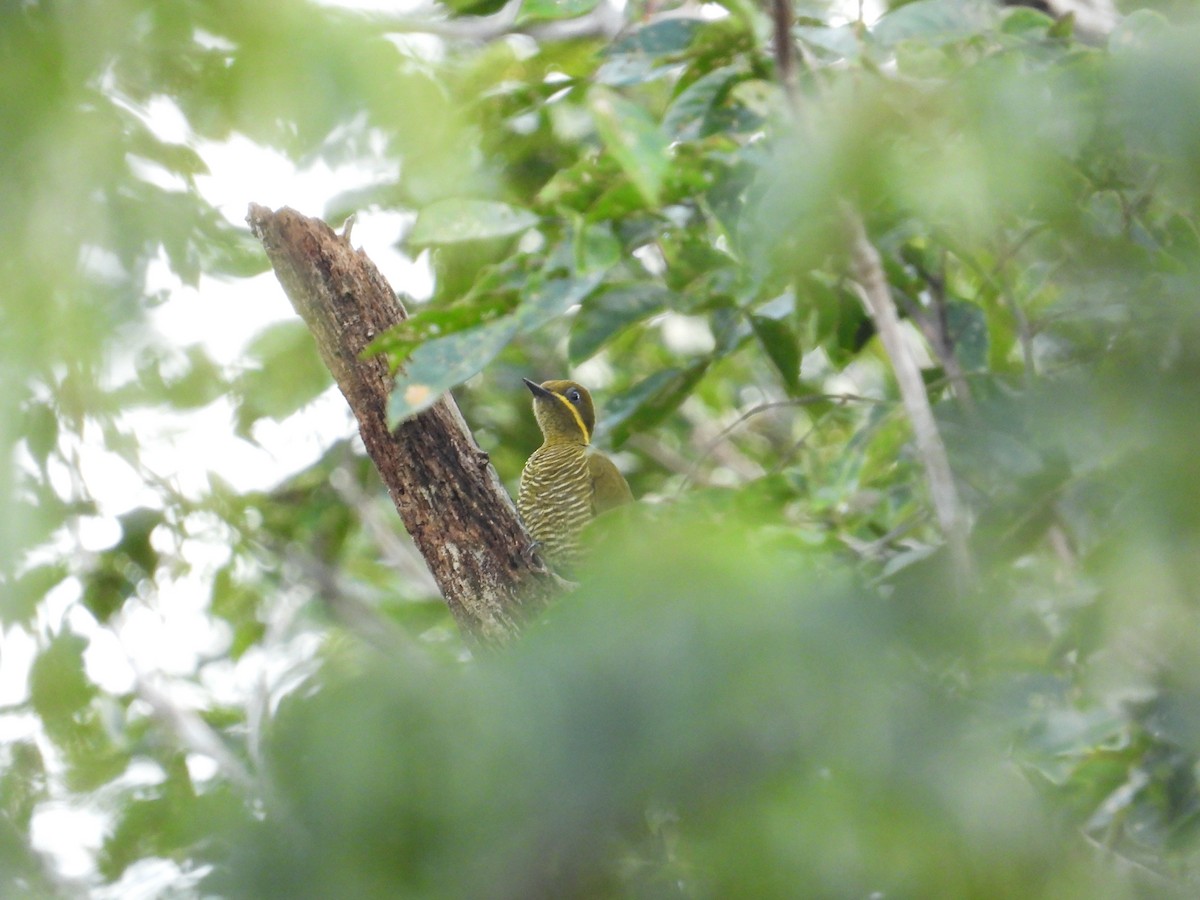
{"x": 444, "y": 487}
{"x": 868, "y": 273}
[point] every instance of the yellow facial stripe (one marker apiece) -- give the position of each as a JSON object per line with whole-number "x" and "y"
{"x": 587, "y": 438}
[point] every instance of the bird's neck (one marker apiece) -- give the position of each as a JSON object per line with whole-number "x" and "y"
{"x": 564, "y": 442}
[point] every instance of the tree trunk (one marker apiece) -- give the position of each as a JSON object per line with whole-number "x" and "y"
{"x": 444, "y": 487}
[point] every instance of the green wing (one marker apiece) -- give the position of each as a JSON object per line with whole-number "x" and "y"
{"x": 609, "y": 488}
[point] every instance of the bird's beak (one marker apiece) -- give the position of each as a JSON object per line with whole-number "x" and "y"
{"x": 536, "y": 389}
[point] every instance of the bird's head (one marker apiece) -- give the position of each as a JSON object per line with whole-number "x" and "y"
{"x": 563, "y": 410}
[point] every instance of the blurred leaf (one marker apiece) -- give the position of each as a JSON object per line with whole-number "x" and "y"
{"x": 605, "y": 314}
{"x": 933, "y": 21}
{"x": 455, "y": 220}
{"x": 289, "y": 375}
{"x": 58, "y": 686}
{"x": 23, "y": 596}
{"x": 967, "y": 331}
{"x": 107, "y": 586}
{"x": 596, "y": 249}
{"x": 634, "y": 140}
{"x": 663, "y": 38}
{"x": 544, "y": 301}
{"x": 552, "y": 10}
{"x": 650, "y": 401}
{"x": 688, "y": 116}
{"x": 781, "y": 346}
{"x": 198, "y": 386}
{"x": 1063, "y": 27}
{"x": 41, "y": 432}
{"x": 1022, "y": 20}
{"x": 22, "y": 783}
{"x": 159, "y": 825}
{"x": 137, "y": 525}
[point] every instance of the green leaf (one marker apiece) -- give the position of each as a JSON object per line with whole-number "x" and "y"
{"x": 688, "y": 115}
{"x": 290, "y": 374}
{"x": 229, "y": 599}
{"x": 1023, "y": 19}
{"x": 440, "y": 364}
{"x": 443, "y": 363}
{"x": 136, "y": 527}
{"x": 603, "y": 315}
{"x": 159, "y": 825}
{"x": 633, "y": 139}
{"x": 19, "y": 601}
{"x": 106, "y": 587}
{"x": 22, "y": 783}
{"x": 199, "y": 385}
{"x": 1063, "y": 28}
{"x": 58, "y": 685}
{"x": 547, "y": 300}
{"x": 552, "y": 10}
{"x": 936, "y": 21}
{"x": 41, "y": 431}
{"x": 651, "y": 400}
{"x": 455, "y": 220}
{"x": 968, "y": 334}
{"x": 782, "y": 348}
{"x": 666, "y": 37}
{"x": 596, "y": 248}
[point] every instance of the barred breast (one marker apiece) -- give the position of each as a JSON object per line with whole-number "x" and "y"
{"x": 555, "y": 500}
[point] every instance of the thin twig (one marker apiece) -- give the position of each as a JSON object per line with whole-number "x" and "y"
{"x": 806, "y": 400}
{"x": 874, "y": 549}
{"x": 193, "y": 733}
{"x": 936, "y": 329}
{"x": 785, "y": 65}
{"x": 872, "y": 283}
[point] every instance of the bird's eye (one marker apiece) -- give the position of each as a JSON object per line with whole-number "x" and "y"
{"x": 573, "y": 395}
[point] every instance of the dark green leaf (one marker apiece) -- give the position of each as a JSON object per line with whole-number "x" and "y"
{"x": 1063, "y": 27}
{"x": 968, "y": 334}
{"x": 604, "y": 314}
{"x": 687, "y": 117}
{"x": 136, "y": 527}
{"x": 650, "y": 401}
{"x": 107, "y": 586}
{"x": 779, "y": 341}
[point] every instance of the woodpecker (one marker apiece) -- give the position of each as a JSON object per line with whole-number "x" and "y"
{"x": 564, "y": 484}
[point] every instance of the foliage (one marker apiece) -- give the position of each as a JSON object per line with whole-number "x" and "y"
{"x": 768, "y": 684}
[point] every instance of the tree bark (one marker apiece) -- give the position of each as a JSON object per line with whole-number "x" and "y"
{"x": 447, "y": 493}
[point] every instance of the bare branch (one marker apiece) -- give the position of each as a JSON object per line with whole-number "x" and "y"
{"x": 868, "y": 272}
{"x": 785, "y": 59}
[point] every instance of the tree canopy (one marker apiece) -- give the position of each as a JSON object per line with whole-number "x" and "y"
{"x": 893, "y": 327}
